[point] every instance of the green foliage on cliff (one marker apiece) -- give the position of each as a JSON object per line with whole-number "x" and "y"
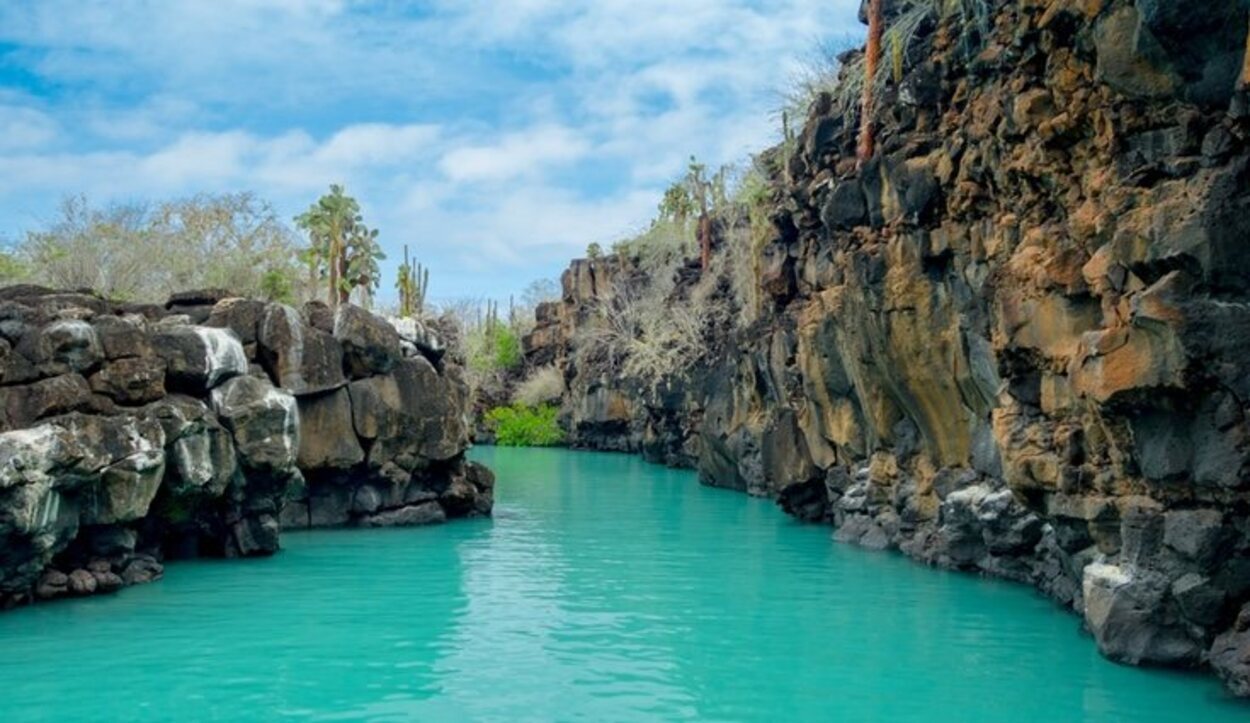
{"x": 524, "y": 426}
{"x": 493, "y": 347}
{"x": 342, "y": 249}
{"x": 507, "y": 349}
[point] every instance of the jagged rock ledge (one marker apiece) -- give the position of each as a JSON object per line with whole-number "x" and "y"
{"x": 1016, "y": 340}
{"x": 133, "y": 434}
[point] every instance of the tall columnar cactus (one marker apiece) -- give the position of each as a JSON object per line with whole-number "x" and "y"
{"x": 412, "y": 283}
{"x": 492, "y": 316}
{"x": 422, "y": 280}
{"x": 403, "y": 285}
{"x": 872, "y": 55}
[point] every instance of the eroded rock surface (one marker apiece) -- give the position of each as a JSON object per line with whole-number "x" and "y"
{"x": 132, "y": 436}
{"x": 1013, "y": 342}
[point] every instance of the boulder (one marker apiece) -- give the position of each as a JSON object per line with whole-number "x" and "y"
{"x": 127, "y": 426}
{"x": 127, "y": 487}
{"x": 416, "y": 338}
{"x": 142, "y": 569}
{"x": 131, "y": 381}
{"x": 370, "y": 345}
{"x": 107, "y": 467}
{"x": 71, "y": 343}
{"x": 81, "y": 583}
{"x": 196, "y": 297}
{"x": 329, "y": 505}
{"x": 411, "y": 411}
{"x": 52, "y": 584}
{"x": 299, "y": 358}
{"x": 24, "y": 405}
{"x": 1230, "y": 655}
{"x": 253, "y": 536}
{"x": 318, "y": 315}
{"x": 199, "y": 451}
{"x": 242, "y": 316}
{"x": 428, "y": 513}
{"x": 1126, "y": 611}
{"x": 326, "y": 440}
{"x": 263, "y": 420}
{"x": 123, "y": 336}
{"x": 199, "y": 358}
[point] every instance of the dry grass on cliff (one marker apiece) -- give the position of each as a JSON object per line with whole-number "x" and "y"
{"x": 542, "y": 386}
{"x": 822, "y": 72}
{"x": 643, "y": 332}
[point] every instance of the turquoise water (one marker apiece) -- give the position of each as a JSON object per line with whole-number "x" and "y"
{"x": 604, "y": 589}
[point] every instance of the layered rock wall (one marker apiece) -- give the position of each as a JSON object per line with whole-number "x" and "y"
{"x": 1015, "y": 341}
{"x": 134, "y": 434}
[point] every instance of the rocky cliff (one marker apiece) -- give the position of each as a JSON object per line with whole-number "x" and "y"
{"x": 132, "y": 434}
{"x": 1015, "y": 341}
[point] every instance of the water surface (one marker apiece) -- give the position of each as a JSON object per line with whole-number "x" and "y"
{"x": 604, "y": 589}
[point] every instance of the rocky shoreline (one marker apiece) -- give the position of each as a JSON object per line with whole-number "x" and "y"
{"x": 135, "y": 434}
{"x": 1014, "y": 342}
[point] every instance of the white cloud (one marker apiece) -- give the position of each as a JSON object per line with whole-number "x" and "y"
{"x": 495, "y": 136}
{"x": 25, "y": 128}
{"x": 524, "y": 153}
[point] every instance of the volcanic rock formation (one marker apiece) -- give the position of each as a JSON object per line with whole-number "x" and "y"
{"x": 132, "y": 434}
{"x": 1016, "y": 340}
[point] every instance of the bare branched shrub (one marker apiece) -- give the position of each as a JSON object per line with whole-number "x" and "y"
{"x": 642, "y": 332}
{"x": 543, "y": 386}
{"x": 144, "y": 253}
{"x": 817, "y": 73}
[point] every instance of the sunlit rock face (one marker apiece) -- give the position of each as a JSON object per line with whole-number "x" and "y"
{"x": 1015, "y": 341}
{"x": 130, "y": 435}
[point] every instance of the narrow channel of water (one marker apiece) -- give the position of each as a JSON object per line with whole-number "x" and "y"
{"x": 604, "y": 589}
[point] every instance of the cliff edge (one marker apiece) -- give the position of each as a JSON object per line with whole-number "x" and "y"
{"x": 1015, "y": 341}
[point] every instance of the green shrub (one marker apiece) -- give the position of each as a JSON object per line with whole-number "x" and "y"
{"x": 507, "y": 348}
{"x": 522, "y": 426}
{"x": 494, "y": 348}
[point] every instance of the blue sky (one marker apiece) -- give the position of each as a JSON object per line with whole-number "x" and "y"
{"x": 496, "y": 139}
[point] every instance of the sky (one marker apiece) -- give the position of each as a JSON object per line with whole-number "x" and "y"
{"x": 495, "y": 139}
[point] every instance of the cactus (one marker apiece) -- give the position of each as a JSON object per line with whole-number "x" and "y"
{"x": 422, "y": 278}
{"x": 896, "y": 56}
{"x": 492, "y": 316}
{"x": 872, "y": 54}
{"x": 412, "y": 283}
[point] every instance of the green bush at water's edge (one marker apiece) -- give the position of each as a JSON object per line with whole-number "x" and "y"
{"x": 522, "y": 426}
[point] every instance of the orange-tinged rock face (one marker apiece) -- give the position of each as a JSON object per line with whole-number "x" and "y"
{"x": 1123, "y": 360}
{"x": 1052, "y": 325}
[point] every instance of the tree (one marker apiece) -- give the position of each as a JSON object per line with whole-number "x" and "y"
{"x": 540, "y": 291}
{"x": 342, "y": 248}
{"x": 696, "y": 193}
{"x": 872, "y": 56}
{"x": 145, "y": 252}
